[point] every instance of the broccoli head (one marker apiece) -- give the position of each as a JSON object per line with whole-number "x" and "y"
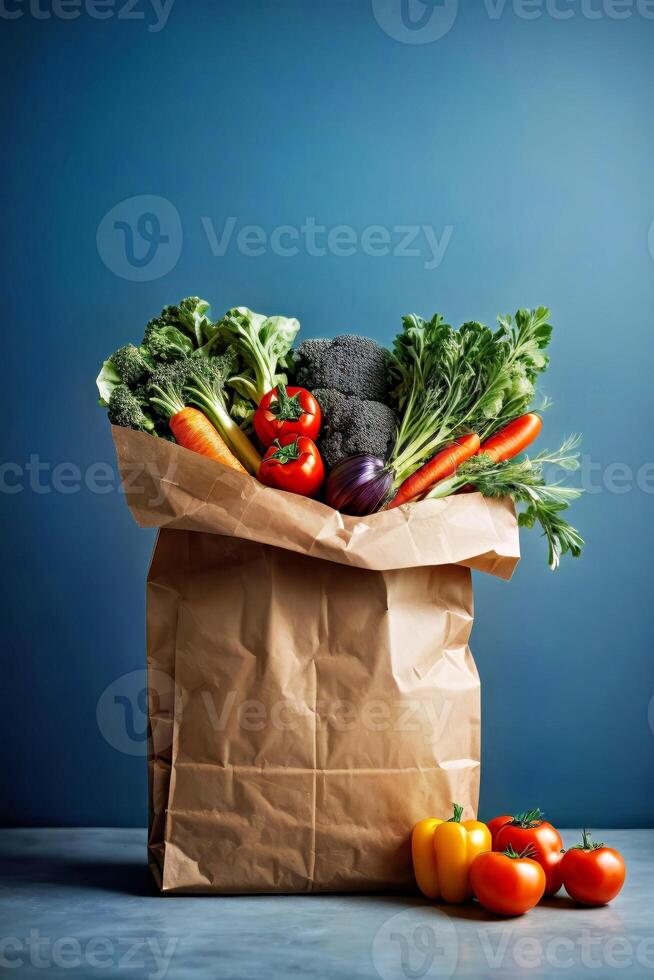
{"x": 128, "y": 365}
{"x": 178, "y": 331}
{"x": 350, "y": 364}
{"x": 165, "y": 390}
{"x": 172, "y": 386}
{"x": 190, "y": 319}
{"x": 132, "y": 364}
{"x": 353, "y": 425}
{"x": 126, "y": 409}
{"x": 165, "y": 341}
{"x": 212, "y": 370}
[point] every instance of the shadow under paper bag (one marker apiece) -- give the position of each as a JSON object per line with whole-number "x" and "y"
{"x": 311, "y": 689}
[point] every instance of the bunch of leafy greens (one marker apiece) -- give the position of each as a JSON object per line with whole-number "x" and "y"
{"x": 447, "y": 382}
{"x": 223, "y": 367}
{"x": 263, "y": 346}
{"x": 178, "y": 332}
{"x": 523, "y": 479}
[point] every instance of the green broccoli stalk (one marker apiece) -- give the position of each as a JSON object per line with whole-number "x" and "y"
{"x": 263, "y": 343}
{"x": 205, "y": 388}
{"x": 125, "y": 409}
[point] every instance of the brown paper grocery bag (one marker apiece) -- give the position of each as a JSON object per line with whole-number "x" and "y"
{"x": 311, "y": 690}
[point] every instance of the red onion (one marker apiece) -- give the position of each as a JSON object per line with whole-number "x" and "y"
{"x": 358, "y": 485}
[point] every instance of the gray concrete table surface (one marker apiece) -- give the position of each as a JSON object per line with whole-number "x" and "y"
{"x": 80, "y": 903}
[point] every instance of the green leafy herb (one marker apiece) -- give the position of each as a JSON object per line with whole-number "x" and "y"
{"x": 448, "y": 382}
{"x": 523, "y": 480}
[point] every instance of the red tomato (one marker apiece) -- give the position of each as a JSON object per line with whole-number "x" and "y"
{"x": 592, "y": 874}
{"x": 507, "y": 883}
{"x": 496, "y": 824}
{"x": 287, "y": 412}
{"x": 529, "y": 830}
{"x": 293, "y": 463}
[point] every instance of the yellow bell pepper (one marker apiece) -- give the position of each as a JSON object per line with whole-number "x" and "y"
{"x": 443, "y": 851}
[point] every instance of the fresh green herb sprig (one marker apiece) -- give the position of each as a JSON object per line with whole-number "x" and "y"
{"x": 523, "y": 480}
{"x": 449, "y": 382}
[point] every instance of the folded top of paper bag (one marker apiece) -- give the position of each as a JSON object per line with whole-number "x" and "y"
{"x": 168, "y": 486}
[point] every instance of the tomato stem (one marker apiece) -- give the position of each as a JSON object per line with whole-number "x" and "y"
{"x": 530, "y": 818}
{"x": 528, "y": 852}
{"x": 287, "y": 408}
{"x": 586, "y": 843}
{"x": 285, "y": 454}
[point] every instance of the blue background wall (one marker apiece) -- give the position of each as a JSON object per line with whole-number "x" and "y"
{"x": 532, "y": 138}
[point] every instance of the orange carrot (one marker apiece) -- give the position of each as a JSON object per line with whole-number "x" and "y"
{"x": 439, "y": 467}
{"x": 513, "y": 438}
{"x": 193, "y": 430}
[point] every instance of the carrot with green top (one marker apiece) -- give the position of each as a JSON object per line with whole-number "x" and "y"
{"x": 439, "y": 467}
{"x": 190, "y": 427}
{"x": 193, "y": 430}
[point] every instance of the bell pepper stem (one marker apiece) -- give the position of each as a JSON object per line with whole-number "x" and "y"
{"x": 458, "y": 813}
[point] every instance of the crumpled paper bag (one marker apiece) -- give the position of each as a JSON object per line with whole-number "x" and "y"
{"x": 311, "y": 689}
